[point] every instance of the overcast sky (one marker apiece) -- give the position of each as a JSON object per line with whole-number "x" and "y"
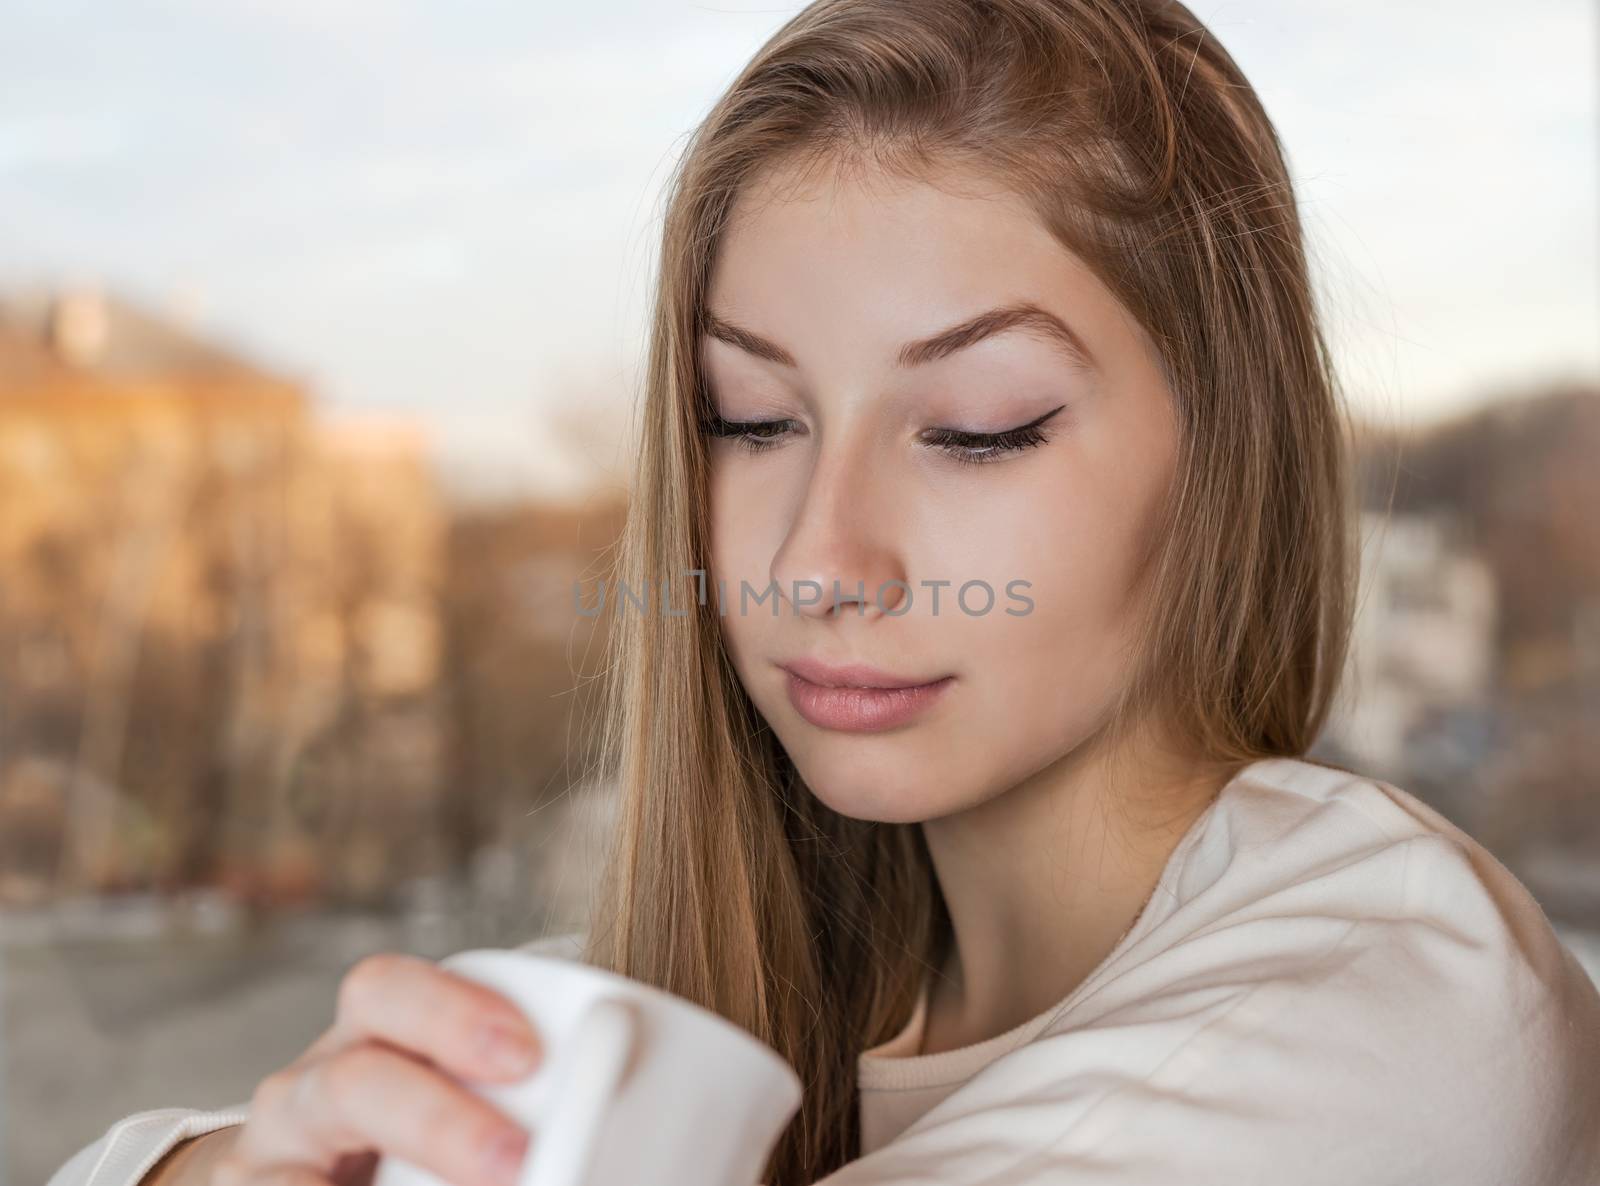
{"x": 448, "y": 209}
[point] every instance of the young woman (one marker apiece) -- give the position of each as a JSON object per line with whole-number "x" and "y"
{"x": 987, "y": 394}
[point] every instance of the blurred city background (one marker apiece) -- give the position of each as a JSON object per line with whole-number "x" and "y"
{"x": 320, "y": 324}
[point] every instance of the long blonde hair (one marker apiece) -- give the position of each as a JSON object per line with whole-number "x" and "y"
{"x": 1143, "y": 149}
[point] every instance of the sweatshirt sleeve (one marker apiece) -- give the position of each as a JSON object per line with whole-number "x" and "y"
{"x": 1451, "y": 1040}
{"x": 130, "y": 1148}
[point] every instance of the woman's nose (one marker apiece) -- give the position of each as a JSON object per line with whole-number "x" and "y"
{"x": 841, "y": 553}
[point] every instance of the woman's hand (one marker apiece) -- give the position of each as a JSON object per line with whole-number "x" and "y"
{"x": 374, "y": 1083}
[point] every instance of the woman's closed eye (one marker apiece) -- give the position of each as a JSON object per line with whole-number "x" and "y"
{"x": 756, "y": 436}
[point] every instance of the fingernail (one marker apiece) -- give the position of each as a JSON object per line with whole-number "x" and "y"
{"x": 506, "y": 1153}
{"x": 509, "y": 1051}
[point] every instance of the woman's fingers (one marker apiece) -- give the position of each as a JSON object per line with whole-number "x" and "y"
{"x": 372, "y": 1096}
{"x": 463, "y": 1026}
{"x": 386, "y": 1079}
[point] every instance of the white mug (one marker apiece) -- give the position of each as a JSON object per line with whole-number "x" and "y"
{"x": 636, "y": 1087}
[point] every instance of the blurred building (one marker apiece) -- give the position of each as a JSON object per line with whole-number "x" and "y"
{"x": 1424, "y": 633}
{"x": 218, "y": 623}
{"x": 1474, "y": 674}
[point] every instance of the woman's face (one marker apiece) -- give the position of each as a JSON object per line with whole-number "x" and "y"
{"x": 864, "y": 475}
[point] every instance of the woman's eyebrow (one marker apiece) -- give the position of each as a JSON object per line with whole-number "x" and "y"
{"x": 1023, "y": 315}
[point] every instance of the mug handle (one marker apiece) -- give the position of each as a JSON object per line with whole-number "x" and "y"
{"x": 563, "y": 1149}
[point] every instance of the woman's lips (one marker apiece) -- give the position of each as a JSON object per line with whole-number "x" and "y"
{"x": 861, "y": 710}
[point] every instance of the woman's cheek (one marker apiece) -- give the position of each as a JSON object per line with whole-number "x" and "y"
{"x": 740, "y": 575}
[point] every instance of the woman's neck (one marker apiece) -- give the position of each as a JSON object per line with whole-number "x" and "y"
{"x": 1041, "y": 883}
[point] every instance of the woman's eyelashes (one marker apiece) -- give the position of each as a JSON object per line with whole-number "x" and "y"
{"x": 752, "y": 435}
{"x": 973, "y": 448}
{"x": 976, "y": 448}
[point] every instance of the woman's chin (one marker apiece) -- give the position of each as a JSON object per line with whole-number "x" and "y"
{"x": 898, "y": 794}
